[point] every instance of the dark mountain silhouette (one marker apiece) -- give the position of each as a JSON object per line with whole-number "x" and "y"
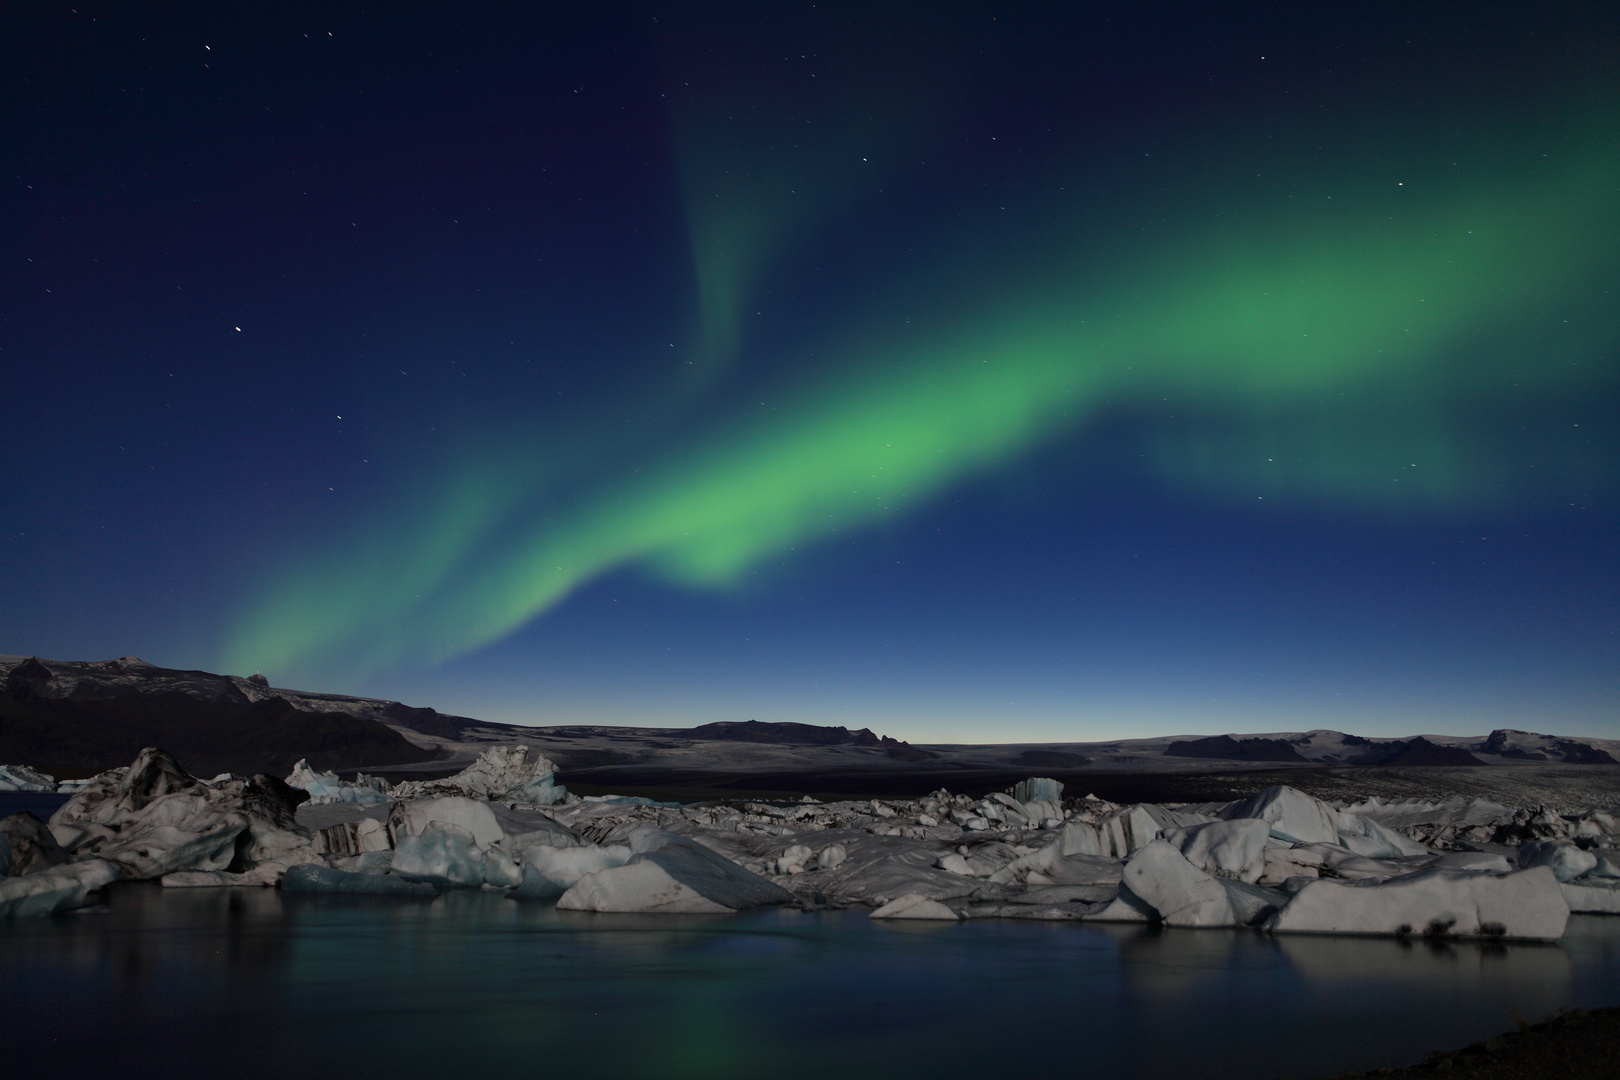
{"x": 1226, "y": 748}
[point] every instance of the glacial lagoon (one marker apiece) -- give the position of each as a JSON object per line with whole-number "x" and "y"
{"x": 193, "y": 982}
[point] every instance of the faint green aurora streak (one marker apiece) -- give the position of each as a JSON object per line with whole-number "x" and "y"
{"x": 1418, "y": 306}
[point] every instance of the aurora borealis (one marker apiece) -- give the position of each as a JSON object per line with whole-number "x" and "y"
{"x": 968, "y": 375}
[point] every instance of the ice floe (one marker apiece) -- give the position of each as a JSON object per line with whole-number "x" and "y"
{"x": 1282, "y": 861}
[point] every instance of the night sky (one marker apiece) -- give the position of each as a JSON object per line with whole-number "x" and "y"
{"x": 969, "y": 372}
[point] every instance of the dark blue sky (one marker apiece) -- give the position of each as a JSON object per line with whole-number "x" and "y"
{"x": 964, "y": 373}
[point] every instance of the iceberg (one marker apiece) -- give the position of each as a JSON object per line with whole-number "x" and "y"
{"x": 513, "y": 774}
{"x": 153, "y": 818}
{"x": 474, "y": 815}
{"x": 29, "y": 845}
{"x": 1525, "y": 904}
{"x": 59, "y": 888}
{"x": 1182, "y": 894}
{"x": 1293, "y": 816}
{"x": 442, "y": 854}
{"x": 1367, "y": 837}
{"x": 1038, "y": 788}
{"x": 549, "y": 872}
{"x": 1231, "y": 849}
{"x": 912, "y": 906}
{"x": 667, "y": 872}
{"x": 1592, "y": 896}
{"x": 22, "y": 778}
{"x": 1566, "y": 861}
{"x": 325, "y": 787}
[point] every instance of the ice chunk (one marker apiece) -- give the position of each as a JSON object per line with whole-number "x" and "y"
{"x": 474, "y": 815}
{"x": 1231, "y": 849}
{"x": 325, "y": 787}
{"x": 1079, "y": 838}
{"x": 154, "y": 818}
{"x": 1566, "y": 861}
{"x": 501, "y": 774}
{"x": 912, "y": 906}
{"x": 1067, "y": 894}
{"x": 1593, "y": 896}
{"x": 22, "y": 778}
{"x": 637, "y": 886}
{"x": 58, "y": 888}
{"x": 31, "y": 845}
{"x": 1182, "y": 894}
{"x": 312, "y": 878}
{"x": 442, "y": 854}
{"x": 831, "y": 856}
{"x": 549, "y": 872}
{"x": 1125, "y": 907}
{"x": 1365, "y": 836}
{"x": 501, "y": 870}
{"x": 1131, "y": 829}
{"x": 1461, "y": 903}
{"x": 1283, "y": 863}
{"x": 673, "y": 874}
{"x": 343, "y": 838}
{"x": 792, "y": 860}
{"x": 1293, "y": 815}
{"x": 1038, "y": 787}
{"x": 1252, "y": 904}
{"x": 367, "y": 862}
{"x": 707, "y": 871}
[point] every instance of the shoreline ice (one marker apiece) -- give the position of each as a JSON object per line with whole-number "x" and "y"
{"x": 1280, "y": 862}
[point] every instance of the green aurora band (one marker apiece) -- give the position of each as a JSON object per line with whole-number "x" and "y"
{"x": 1314, "y": 355}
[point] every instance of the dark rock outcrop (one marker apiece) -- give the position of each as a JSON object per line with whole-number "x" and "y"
{"x": 1226, "y": 748}
{"x": 789, "y": 734}
{"x": 1418, "y": 751}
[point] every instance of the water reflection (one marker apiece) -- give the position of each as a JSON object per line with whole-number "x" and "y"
{"x": 474, "y": 982}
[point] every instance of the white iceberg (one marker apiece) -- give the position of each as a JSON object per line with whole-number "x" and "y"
{"x": 325, "y": 787}
{"x": 513, "y": 774}
{"x": 549, "y": 872}
{"x": 442, "y": 854}
{"x": 1232, "y": 849}
{"x": 912, "y": 906}
{"x": 1565, "y": 860}
{"x": 671, "y": 873}
{"x": 1364, "y": 836}
{"x": 1456, "y": 903}
{"x": 474, "y": 815}
{"x": 1592, "y": 896}
{"x": 1182, "y": 894}
{"x": 1292, "y": 815}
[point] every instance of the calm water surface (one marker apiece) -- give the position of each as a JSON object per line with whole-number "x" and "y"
{"x": 190, "y": 981}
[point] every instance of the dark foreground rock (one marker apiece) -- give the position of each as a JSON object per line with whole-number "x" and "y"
{"x": 1577, "y": 1045}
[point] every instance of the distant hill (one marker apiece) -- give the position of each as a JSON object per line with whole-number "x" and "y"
{"x": 1227, "y": 748}
{"x": 79, "y": 718}
{"x": 1418, "y": 751}
{"x": 788, "y": 733}
{"x": 1529, "y": 746}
